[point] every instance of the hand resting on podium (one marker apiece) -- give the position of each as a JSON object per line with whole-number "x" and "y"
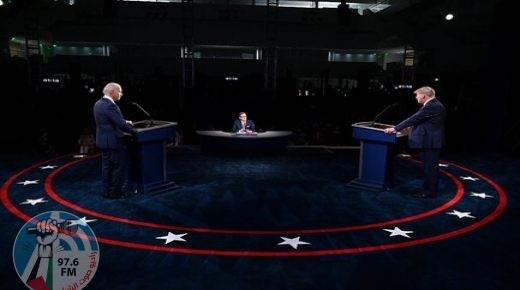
{"x": 392, "y": 130}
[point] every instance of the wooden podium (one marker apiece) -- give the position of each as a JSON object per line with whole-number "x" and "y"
{"x": 376, "y": 156}
{"x": 149, "y": 155}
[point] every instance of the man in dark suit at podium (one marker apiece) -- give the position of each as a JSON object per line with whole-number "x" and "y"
{"x": 110, "y": 125}
{"x": 243, "y": 125}
{"x": 427, "y": 135}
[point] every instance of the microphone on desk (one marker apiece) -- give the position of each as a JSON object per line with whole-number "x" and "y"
{"x": 383, "y": 111}
{"x": 144, "y": 111}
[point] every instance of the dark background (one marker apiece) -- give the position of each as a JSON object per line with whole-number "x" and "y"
{"x": 292, "y": 86}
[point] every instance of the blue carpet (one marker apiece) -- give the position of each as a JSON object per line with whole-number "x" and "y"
{"x": 235, "y": 212}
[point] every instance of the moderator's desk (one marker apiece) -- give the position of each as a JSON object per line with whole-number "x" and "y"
{"x": 231, "y": 143}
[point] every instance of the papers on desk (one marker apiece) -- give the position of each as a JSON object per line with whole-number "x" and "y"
{"x": 246, "y": 133}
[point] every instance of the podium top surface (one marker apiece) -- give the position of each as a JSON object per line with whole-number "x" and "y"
{"x": 376, "y": 127}
{"x": 372, "y": 125}
{"x": 147, "y": 125}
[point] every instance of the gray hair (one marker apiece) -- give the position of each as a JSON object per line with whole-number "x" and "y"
{"x": 111, "y": 86}
{"x": 428, "y": 91}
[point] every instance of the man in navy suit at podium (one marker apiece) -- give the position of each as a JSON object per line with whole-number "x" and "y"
{"x": 110, "y": 125}
{"x": 427, "y": 135}
{"x": 243, "y": 125}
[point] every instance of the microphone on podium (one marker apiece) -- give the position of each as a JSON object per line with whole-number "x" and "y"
{"x": 144, "y": 111}
{"x": 66, "y": 227}
{"x": 383, "y": 111}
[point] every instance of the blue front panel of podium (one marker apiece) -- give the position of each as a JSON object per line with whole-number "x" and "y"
{"x": 153, "y": 164}
{"x": 373, "y": 158}
{"x": 372, "y": 164}
{"x": 151, "y": 160}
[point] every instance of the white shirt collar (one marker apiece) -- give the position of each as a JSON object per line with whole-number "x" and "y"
{"x": 107, "y": 97}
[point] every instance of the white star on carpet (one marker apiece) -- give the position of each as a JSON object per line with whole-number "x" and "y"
{"x": 482, "y": 195}
{"x": 294, "y": 242}
{"x": 460, "y": 214}
{"x": 48, "y": 167}
{"x": 82, "y": 221}
{"x": 28, "y": 182}
{"x": 80, "y": 156}
{"x": 398, "y": 232}
{"x": 443, "y": 165}
{"x": 172, "y": 237}
{"x": 33, "y": 201}
{"x": 405, "y": 155}
{"x": 469, "y": 178}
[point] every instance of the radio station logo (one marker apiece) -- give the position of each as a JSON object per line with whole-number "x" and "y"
{"x": 56, "y": 250}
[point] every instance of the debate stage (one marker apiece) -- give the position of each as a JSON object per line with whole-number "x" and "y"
{"x": 280, "y": 222}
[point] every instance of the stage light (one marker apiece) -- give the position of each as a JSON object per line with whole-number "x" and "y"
{"x": 448, "y": 16}
{"x": 1, "y": 3}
